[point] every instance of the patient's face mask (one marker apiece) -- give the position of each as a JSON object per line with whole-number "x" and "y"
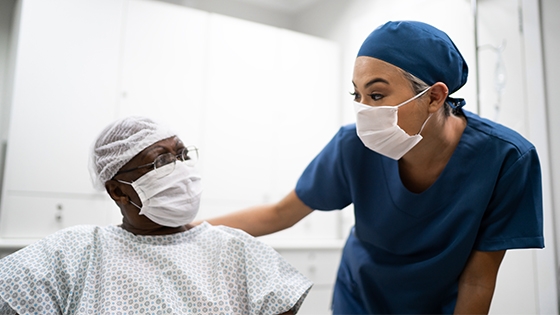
{"x": 172, "y": 200}
{"x": 378, "y": 129}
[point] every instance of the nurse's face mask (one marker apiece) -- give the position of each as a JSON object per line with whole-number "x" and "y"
{"x": 170, "y": 193}
{"x": 378, "y": 129}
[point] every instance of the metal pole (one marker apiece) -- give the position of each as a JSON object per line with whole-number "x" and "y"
{"x": 474, "y": 8}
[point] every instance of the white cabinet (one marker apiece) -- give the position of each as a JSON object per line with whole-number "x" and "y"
{"x": 39, "y": 215}
{"x": 163, "y": 66}
{"x": 320, "y": 265}
{"x": 243, "y": 90}
{"x": 271, "y": 106}
{"x": 260, "y": 103}
{"x": 64, "y": 92}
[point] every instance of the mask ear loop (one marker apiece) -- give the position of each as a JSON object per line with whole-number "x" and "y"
{"x": 424, "y": 124}
{"x": 413, "y": 98}
{"x": 140, "y": 208}
{"x": 132, "y": 202}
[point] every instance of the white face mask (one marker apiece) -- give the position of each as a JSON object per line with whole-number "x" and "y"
{"x": 172, "y": 200}
{"x": 378, "y": 129}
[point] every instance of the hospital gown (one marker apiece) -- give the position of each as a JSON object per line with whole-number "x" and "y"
{"x": 95, "y": 270}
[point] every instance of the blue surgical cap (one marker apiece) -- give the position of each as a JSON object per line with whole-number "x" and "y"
{"x": 420, "y": 49}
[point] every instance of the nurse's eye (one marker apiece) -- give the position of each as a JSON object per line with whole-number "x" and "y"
{"x": 375, "y": 96}
{"x": 356, "y": 96}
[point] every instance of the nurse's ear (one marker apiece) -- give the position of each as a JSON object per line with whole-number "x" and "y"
{"x": 438, "y": 94}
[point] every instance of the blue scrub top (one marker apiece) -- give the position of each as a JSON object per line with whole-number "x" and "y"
{"x": 407, "y": 250}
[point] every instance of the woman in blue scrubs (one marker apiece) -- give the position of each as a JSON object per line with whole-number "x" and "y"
{"x": 439, "y": 193}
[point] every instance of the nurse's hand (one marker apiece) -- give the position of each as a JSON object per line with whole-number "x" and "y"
{"x": 477, "y": 282}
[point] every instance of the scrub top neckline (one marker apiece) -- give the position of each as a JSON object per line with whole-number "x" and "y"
{"x": 442, "y": 190}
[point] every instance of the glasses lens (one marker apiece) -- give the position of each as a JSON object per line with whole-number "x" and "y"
{"x": 190, "y": 155}
{"x": 167, "y": 160}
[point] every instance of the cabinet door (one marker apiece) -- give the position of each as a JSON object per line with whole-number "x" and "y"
{"x": 243, "y": 89}
{"x": 163, "y": 66}
{"x": 320, "y": 266}
{"x": 64, "y": 92}
{"x": 272, "y": 106}
{"x": 308, "y": 114}
{"x": 306, "y": 120}
{"x": 38, "y": 215}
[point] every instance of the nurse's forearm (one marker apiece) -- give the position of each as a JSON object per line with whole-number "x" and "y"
{"x": 473, "y": 299}
{"x": 254, "y": 221}
{"x": 477, "y": 282}
{"x": 266, "y": 219}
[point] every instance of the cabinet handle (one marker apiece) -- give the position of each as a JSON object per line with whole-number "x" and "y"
{"x": 58, "y": 215}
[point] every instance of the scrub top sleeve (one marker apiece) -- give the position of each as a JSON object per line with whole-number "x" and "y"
{"x": 323, "y": 184}
{"x": 514, "y": 216}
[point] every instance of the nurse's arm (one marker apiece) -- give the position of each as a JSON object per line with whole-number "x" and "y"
{"x": 477, "y": 282}
{"x": 266, "y": 219}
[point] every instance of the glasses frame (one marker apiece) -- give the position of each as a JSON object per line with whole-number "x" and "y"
{"x": 190, "y": 148}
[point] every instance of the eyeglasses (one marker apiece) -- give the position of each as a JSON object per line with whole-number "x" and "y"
{"x": 188, "y": 155}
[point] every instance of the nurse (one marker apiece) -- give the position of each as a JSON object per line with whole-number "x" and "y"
{"x": 439, "y": 193}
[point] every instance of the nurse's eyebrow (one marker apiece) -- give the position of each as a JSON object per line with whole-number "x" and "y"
{"x": 376, "y": 80}
{"x": 372, "y": 81}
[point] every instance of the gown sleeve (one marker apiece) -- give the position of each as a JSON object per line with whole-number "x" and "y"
{"x": 5, "y": 308}
{"x": 273, "y": 286}
{"x": 41, "y": 278}
{"x": 27, "y": 285}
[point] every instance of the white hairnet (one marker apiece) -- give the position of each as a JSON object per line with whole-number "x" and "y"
{"x": 119, "y": 142}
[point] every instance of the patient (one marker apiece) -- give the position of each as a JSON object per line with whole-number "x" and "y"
{"x": 155, "y": 262}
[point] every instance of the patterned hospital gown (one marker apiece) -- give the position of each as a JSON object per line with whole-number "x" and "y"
{"x": 107, "y": 270}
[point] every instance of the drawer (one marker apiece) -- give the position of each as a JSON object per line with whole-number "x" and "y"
{"x": 319, "y": 265}
{"x": 318, "y": 301}
{"x": 36, "y": 216}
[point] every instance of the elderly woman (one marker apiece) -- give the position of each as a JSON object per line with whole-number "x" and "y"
{"x": 155, "y": 262}
{"x": 439, "y": 193}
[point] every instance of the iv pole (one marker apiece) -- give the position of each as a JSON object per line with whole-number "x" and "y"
{"x": 474, "y": 9}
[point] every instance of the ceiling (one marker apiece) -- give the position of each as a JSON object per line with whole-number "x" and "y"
{"x": 286, "y": 6}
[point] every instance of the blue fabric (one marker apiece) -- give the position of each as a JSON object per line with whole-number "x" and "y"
{"x": 420, "y": 49}
{"x": 408, "y": 249}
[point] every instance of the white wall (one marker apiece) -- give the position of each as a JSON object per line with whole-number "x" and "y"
{"x": 241, "y": 10}
{"x": 550, "y": 10}
{"x": 6, "y": 15}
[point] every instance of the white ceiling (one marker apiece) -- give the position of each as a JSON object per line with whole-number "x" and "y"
{"x": 287, "y": 6}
